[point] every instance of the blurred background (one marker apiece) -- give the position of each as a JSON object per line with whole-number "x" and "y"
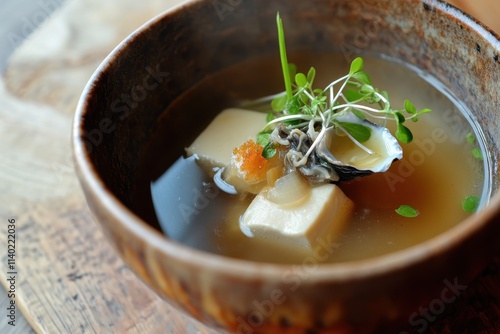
{"x": 18, "y": 18}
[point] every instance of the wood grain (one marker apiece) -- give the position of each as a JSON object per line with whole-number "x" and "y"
{"x": 70, "y": 280}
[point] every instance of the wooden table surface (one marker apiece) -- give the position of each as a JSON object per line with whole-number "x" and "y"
{"x": 68, "y": 280}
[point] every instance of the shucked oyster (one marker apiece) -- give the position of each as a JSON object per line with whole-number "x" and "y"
{"x": 351, "y": 160}
{"x": 337, "y": 157}
{"x": 296, "y": 144}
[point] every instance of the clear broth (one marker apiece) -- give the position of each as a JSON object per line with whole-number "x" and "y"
{"x": 435, "y": 175}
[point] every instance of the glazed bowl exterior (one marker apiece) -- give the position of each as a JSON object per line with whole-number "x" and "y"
{"x": 131, "y": 90}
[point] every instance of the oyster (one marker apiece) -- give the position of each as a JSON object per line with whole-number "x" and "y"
{"x": 294, "y": 145}
{"x": 337, "y": 157}
{"x": 351, "y": 159}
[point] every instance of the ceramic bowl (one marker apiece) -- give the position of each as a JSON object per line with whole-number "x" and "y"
{"x": 127, "y": 96}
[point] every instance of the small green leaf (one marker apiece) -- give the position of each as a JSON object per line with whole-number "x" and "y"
{"x": 400, "y": 119}
{"x": 304, "y": 99}
{"x": 367, "y": 89}
{"x": 477, "y": 153}
{"x": 403, "y": 134}
{"x": 410, "y": 107}
{"x": 293, "y": 105}
{"x": 385, "y": 95}
{"x": 301, "y": 79}
{"x": 356, "y": 65}
{"x": 318, "y": 102}
{"x": 407, "y": 211}
{"x": 471, "y": 139}
{"x": 353, "y": 95}
{"x": 424, "y": 111}
{"x": 270, "y": 116}
{"x": 470, "y": 204}
{"x": 358, "y": 113}
{"x": 311, "y": 75}
{"x": 269, "y": 151}
{"x": 358, "y": 131}
{"x": 363, "y": 77}
{"x": 279, "y": 103}
{"x": 263, "y": 138}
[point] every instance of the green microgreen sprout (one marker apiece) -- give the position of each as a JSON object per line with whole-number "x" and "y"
{"x": 263, "y": 139}
{"x": 407, "y": 211}
{"x": 476, "y": 152}
{"x": 471, "y": 139}
{"x": 471, "y": 204}
{"x": 284, "y": 58}
{"x": 301, "y": 105}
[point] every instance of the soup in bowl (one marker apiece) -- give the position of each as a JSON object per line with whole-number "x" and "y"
{"x": 147, "y": 137}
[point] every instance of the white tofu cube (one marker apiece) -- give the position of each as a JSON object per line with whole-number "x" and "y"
{"x": 323, "y": 215}
{"x": 231, "y": 128}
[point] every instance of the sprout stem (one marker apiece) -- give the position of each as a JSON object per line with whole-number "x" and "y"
{"x": 284, "y": 58}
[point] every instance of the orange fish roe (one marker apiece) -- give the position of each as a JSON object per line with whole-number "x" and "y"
{"x": 250, "y": 161}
